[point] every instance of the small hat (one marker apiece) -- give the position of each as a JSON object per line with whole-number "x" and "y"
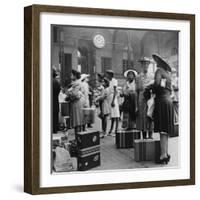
{"x": 161, "y": 62}
{"x": 130, "y": 70}
{"x": 144, "y": 59}
{"x": 84, "y": 76}
{"x": 110, "y": 71}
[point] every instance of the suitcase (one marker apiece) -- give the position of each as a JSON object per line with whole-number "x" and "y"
{"x": 125, "y": 138}
{"x": 147, "y": 150}
{"x": 89, "y": 115}
{"x": 65, "y": 108}
{"x": 88, "y": 139}
{"x": 89, "y": 160}
{"x": 58, "y": 138}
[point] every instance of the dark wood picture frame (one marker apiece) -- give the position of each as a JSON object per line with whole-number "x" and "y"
{"x": 32, "y": 104}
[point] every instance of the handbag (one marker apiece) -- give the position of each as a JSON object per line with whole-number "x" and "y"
{"x": 150, "y": 106}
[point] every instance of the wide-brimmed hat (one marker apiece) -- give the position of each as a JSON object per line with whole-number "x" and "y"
{"x": 128, "y": 71}
{"x": 144, "y": 59}
{"x": 161, "y": 62}
{"x": 84, "y": 76}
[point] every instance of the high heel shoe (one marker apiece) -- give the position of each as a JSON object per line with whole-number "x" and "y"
{"x": 168, "y": 157}
{"x": 163, "y": 161}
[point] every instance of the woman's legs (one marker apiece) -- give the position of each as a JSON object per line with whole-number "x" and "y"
{"x": 163, "y": 145}
{"x": 117, "y": 124}
{"x": 112, "y": 125}
{"x": 105, "y": 124}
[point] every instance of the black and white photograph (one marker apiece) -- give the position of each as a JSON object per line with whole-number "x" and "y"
{"x": 114, "y": 99}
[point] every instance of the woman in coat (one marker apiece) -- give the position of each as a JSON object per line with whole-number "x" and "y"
{"x": 163, "y": 111}
{"x": 76, "y": 98}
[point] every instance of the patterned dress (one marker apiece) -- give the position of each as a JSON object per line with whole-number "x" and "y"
{"x": 76, "y": 98}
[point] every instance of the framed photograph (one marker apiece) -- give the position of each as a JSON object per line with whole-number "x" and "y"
{"x": 109, "y": 99}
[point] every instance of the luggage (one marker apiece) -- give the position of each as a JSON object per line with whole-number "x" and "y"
{"x": 73, "y": 148}
{"x": 89, "y": 115}
{"x": 65, "y": 108}
{"x": 88, "y": 143}
{"x": 62, "y": 160}
{"x": 58, "y": 138}
{"x": 147, "y": 150}
{"x": 87, "y": 139}
{"x": 90, "y": 160}
{"x": 125, "y": 138}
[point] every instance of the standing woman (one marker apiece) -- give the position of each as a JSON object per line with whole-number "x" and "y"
{"x": 56, "y": 91}
{"x": 143, "y": 122}
{"x": 129, "y": 105}
{"x": 164, "y": 111}
{"x": 104, "y": 98}
{"x": 114, "y": 105}
{"x": 76, "y": 99}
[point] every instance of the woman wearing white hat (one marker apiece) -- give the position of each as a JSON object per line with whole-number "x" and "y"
{"x": 129, "y": 104}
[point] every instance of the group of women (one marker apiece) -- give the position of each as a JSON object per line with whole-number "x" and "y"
{"x": 147, "y": 105}
{"x": 136, "y": 93}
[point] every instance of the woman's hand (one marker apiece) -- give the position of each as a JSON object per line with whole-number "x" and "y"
{"x": 112, "y": 104}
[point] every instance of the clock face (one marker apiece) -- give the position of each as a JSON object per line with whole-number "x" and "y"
{"x": 99, "y": 41}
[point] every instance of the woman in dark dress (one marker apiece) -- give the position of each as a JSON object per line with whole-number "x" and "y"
{"x": 163, "y": 112}
{"x": 56, "y": 91}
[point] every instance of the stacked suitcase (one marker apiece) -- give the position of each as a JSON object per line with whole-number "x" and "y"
{"x": 88, "y": 150}
{"x": 126, "y": 138}
{"x": 147, "y": 150}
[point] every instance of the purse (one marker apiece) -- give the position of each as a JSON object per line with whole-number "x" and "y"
{"x": 150, "y": 106}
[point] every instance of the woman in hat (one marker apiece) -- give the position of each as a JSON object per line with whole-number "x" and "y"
{"x": 144, "y": 80}
{"x": 113, "y": 101}
{"x": 129, "y": 104}
{"x": 76, "y": 97}
{"x": 163, "y": 111}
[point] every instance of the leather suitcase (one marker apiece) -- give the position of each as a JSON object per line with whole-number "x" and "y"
{"x": 88, "y": 161}
{"x": 147, "y": 150}
{"x": 125, "y": 138}
{"x": 88, "y": 139}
